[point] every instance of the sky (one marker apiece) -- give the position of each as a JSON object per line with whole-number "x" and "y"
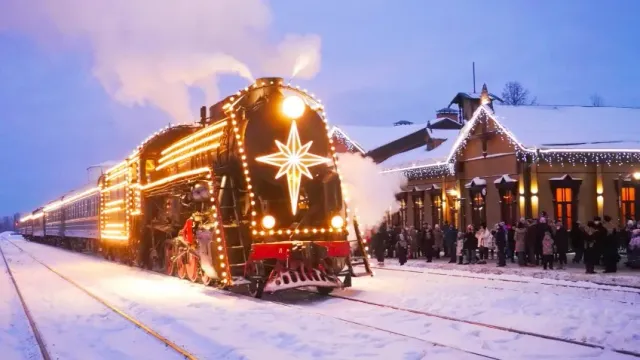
{"x": 379, "y": 62}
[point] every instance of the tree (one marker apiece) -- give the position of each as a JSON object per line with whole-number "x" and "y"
{"x": 514, "y": 93}
{"x": 596, "y": 100}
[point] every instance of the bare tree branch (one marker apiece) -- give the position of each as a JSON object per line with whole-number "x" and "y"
{"x": 514, "y": 93}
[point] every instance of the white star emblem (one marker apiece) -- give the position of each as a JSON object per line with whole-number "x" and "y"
{"x": 294, "y": 160}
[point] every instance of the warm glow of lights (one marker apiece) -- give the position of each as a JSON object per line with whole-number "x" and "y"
{"x": 191, "y": 145}
{"x": 70, "y": 199}
{"x": 113, "y": 237}
{"x": 294, "y": 160}
{"x": 293, "y": 107}
{"x": 115, "y": 225}
{"x": 337, "y": 222}
{"x": 187, "y": 155}
{"x": 636, "y": 175}
{"x": 115, "y": 186}
{"x": 175, "y": 176}
{"x": 111, "y": 210}
{"x": 114, "y": 202}
{"x": 268, "y": 222}
{"x": 192, "y": 137}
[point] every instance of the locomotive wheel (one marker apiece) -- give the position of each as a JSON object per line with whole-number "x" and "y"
{"x": 169, "y": 267}
{"x": 182, "y": 269}
{"x": 324, "y": 290}
{"x": 256, "y": 273}
{"x": 193, "y": 265}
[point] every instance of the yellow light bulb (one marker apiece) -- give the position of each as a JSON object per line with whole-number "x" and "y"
{"x": 293, "y": 106}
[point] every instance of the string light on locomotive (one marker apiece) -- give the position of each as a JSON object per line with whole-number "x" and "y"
{"x": 294, "y": 160}
{"x": 293, "y": 106}
{"x": 337, "y": 222}
{"x": 268, "y": 222}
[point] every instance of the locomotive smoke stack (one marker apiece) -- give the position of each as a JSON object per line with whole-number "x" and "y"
{"x": 271, "y": 88}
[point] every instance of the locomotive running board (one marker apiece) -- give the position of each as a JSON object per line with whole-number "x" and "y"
{"x": 297, "y": 279}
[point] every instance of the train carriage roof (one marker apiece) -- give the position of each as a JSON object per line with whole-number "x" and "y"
{"x": 165, "y": 137}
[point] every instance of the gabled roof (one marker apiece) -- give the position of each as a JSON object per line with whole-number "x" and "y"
{"x": 464, "y": 95}
{"x": 367, "y": 138}
{"x": 574, "y": 127}
{"x": 538, "y": 129}
{"x": 445, "y": 124}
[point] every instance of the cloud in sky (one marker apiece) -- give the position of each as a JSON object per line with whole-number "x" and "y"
{"x": 150, "y": 52}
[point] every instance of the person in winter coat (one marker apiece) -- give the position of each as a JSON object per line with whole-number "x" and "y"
{"x": 451, "y": 237}
{"x": 459, "y": 249}
{"x": 428, "y": 242}
{"x": 562, "y": 244}
{"x": 633, "y": 249}
{"x": 501, "y": 243}
{"x": 541, "y": 229}
{"x": 438, "y": 241}
{"x": 520, "y": 233}
{"x": 414, "y": 243}
{"x": 547, "y": 250}
{"x": 511, "y": 242}
{"x": 577, "y": 241}
{"x": 380, "y": 240}
{"x": 483, "y": 235}
{"x": 402, "y": 246}
{"x": 610, "y": 246}
{"x": 530, "y": 243}
{"x": 470, "y": 245}
{"x": 590, "y": 255}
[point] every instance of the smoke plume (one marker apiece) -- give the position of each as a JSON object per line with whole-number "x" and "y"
{"x": 152, "y": 52}
{"x": 370, "y": 193}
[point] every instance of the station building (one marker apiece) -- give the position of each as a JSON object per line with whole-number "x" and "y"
{"x": 480, "y": 161}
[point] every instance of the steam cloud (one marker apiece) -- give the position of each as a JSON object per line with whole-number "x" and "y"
{"x": 370, "y": 192}
{"x": 152, "y": 52}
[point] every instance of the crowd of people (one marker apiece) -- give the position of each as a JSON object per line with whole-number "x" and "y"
{"x": 529, "y": 242}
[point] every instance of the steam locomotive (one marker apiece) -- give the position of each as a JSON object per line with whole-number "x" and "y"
{"x": 250, "y": 195}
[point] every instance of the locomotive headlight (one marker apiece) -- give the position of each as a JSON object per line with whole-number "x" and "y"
{"x": 337, "y": 222}
{"x": 293, "y": 106}
{"x": 268, "y": 222}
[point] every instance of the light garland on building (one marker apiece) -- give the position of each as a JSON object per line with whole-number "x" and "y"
{"x": 342, "y": 138}
{"x": 551, "y": 156}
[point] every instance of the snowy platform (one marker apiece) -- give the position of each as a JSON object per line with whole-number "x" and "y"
{"x": 401, "y": 313}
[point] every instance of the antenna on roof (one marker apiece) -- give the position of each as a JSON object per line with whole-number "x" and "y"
{"x": 473, "y": 69}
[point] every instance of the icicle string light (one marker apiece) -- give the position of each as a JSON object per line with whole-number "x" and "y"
{"x": 551, "y": 156}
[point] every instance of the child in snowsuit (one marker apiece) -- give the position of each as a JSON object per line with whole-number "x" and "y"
{"x": 547, "y": 250}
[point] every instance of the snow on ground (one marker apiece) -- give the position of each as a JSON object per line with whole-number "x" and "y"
{"x": 73, "y": 325}
{"x": 573, "y": 275}
{"x": 611, "y": 319}
{"x": 215, "y": 325}
{"x": 16, "y": 338}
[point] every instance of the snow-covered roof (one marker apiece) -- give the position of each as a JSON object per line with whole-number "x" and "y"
{"x": 371, "y": 137}
{"x": 421, "y": 156}
{"x": 506, "y": 178}
{"x": 572, "y": 127}
{"x": 476, "y": 181}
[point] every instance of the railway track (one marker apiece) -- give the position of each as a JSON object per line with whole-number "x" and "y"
{"x": 412, "y": 311}
{"x": 621, "y": 288}
{"x": 488, "y": 326}
{"x": 36, "y": 333}
{"x": 42, "y": 344}
{"x": 525, "y": 291}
